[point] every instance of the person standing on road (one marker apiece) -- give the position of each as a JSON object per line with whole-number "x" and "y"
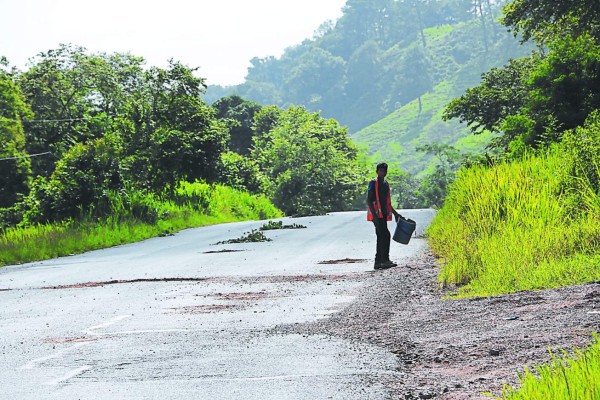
{"x": 380, "y": 210}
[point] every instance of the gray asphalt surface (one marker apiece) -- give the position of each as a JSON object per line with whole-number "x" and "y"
{"x": 183, "y": 317}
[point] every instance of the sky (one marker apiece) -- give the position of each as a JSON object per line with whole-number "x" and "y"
{"x": 219, "y": 36}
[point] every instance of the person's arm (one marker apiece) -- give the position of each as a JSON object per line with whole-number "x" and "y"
{"x": 396, "y": 214}
{"x": 371, "y": 197}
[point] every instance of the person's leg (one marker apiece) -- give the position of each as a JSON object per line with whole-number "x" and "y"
{"x": 385, "y": 245}
{"x": 382, "y": 259}
{"x": 380, "y": 231}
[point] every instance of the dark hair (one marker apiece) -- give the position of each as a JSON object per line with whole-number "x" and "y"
{"x": 381, "y": 166}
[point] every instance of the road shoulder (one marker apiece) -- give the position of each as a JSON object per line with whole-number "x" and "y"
{"x": 458, "y": 349}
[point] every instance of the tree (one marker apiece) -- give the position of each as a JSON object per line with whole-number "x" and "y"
{"x": 115, "y": 126}
{"x": 502, "y": 92}
{"x": 364, "y": 68}
{"x": 405, "y": 189}
{"x": 532, "y": 101}
{"x": 14, "y": 160}
{"x": 434, "y": 186}
{"x": 169, "y": 132}
{"x": 314, "y": 70}
{"x": 80, "y": 184}
{"x": 565, "y": 88}
{"x": 418, "y": 8}
{"x": 241, "y": 114}
{"x": 545, "y": 20}
{"x": 74, "y": 95}
{"x": 242, "y": 173}
{"x": 413, "y": 79}
{"x": 310, "y": 160}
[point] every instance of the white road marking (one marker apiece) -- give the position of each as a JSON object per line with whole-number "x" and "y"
{"x": 68, "y": 375}
{"x": 32, "y": 364}
{"x": 104, "y": 325}
{"x": 89, "y": 331}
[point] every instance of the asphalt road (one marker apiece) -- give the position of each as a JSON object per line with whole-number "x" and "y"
{"x": 183, "y": 317}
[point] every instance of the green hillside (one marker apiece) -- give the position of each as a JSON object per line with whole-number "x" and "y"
{"x": 386, "y": 70}
{"x": 395, "y": 137}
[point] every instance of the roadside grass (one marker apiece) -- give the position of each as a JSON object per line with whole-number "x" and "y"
{"x": 192, "y": 205}
{"x": 566, "y": 377}
{"x": 530, "y": 224}
{"x": 517, "y": 226}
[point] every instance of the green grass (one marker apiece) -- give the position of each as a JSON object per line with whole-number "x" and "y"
{"x": 530, "y": 224}
{"x": 195, "y": 205}
{"x": 524, "y": 225}
{"x": 439, "y": 31}
{"x": 568, "y": 377}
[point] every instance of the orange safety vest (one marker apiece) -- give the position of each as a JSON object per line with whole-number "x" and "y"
{"x": 377, "y": 205}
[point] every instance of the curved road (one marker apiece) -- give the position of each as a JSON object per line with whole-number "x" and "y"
{"x": 184, "y": 317}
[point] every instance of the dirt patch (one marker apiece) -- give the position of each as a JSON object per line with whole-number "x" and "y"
{"x": 234, "y": 279}
{"x": 118, "y": 282}
{"x": 244, "y": 296}
{"x": 312, "y": 278}
{"x": 344, "y": 261}
{"x": 458, "y": 349}
{"x": 203, "y": 309}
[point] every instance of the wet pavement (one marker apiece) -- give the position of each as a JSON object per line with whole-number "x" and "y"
{"x": 183, "y": 317}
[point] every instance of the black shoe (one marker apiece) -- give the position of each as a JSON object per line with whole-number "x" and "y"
{"x": 389, "y": 264}
{"x": 382, "y": 265}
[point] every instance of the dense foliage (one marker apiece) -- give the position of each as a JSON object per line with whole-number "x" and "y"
{"x": 134, "y": 217}
{"x": 386, "y": 69}
{"x": 528, "y": 219}
{"x": 545, "y": 20}
{"x": 312, "y": 162}
{"x": 79, "y": 130}
{"x": 16, "y": 166}
{"x": 531, "y": 102}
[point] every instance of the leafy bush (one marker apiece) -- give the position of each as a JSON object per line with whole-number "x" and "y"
{"x": 583, "y": 145}
{"x": 241, "y": 172}
{"x": 79, "y": 185}
{"x": 16, "y": 167}
{"x": 313, "y": 165}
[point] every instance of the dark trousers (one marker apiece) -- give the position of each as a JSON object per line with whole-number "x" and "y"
{"x": 383, "y": 240}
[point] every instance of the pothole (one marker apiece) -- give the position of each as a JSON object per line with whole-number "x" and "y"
{"x": 221, "y": 251}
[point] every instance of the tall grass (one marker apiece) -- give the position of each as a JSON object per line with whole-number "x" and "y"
{"x": 565, "y": 378}
{"x": 518, "y": 226}
{"x": 134, "y": 216}
{"x": 525, "y": 225}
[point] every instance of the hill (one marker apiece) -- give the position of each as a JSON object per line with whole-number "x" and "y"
{"x": 385, "y": 70}
{"x": 395, "y": 137}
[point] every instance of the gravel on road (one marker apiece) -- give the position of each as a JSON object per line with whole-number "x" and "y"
{"x": 458, "y": 348}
